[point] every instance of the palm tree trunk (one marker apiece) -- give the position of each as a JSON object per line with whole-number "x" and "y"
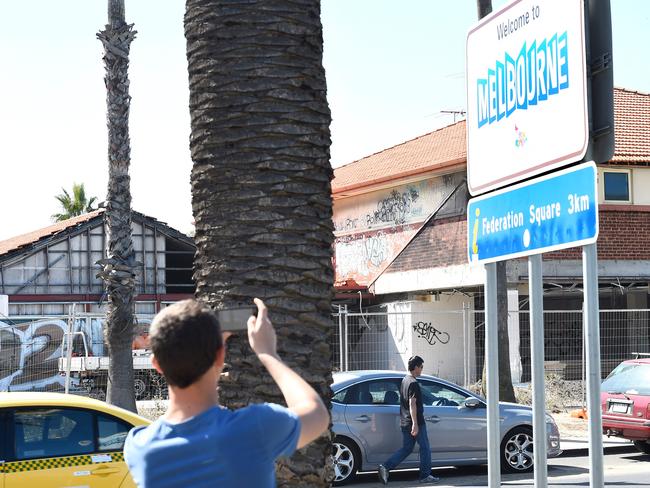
{"x": 261, "y": 191}
{"x": 118, "y": 266}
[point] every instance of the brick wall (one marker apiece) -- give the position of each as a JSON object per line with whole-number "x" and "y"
{"x": 624, "y": 233}
{"x": 441, "y": 243}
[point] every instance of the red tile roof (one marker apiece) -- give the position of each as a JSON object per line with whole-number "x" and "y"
{"x": 631, "y": 127}
{"x": 446, "y": 148}
{"x": 434, "y": 151}
{"x": 26, "y": 239}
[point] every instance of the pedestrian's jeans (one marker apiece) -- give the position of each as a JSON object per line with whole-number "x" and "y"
{"x": 408, "y": 443}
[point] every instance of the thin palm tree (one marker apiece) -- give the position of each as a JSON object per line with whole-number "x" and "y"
{"x": 75, "y": 204}
{"x": 118, "y": 266}
{"x": 261, "y": 192}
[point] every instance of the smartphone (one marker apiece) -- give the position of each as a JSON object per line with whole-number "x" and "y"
{"x": 235, "y": 318}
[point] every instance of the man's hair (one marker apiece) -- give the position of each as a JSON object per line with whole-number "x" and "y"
{"x": 414, "y": 362}
{"x": 185, "y": 338}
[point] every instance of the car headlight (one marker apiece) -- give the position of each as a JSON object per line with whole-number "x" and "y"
{"x": 549, "y": 419}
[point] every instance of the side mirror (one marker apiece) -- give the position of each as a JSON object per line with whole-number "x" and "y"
{"x": 472, "y": 402}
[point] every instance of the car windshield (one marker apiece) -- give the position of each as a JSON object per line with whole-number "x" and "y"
{"x": 630, "y": 378}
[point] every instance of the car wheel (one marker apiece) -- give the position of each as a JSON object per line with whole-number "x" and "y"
{"x": 643, "y": 446}
{"x": 517, "y": 450}
{"x": 346, "y": 460}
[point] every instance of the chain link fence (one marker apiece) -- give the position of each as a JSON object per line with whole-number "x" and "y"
{"x": 35, "y": 355}
{"x": 385, "y": 340}
{"x": 33, "y": 349}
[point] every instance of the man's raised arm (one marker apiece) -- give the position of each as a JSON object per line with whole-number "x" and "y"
{"x": 301, "y": 398}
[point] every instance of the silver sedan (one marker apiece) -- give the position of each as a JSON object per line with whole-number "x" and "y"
{"x": 365, "y": 418}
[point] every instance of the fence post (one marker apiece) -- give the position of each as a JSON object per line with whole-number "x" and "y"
{"x": 466, "y": 343}
{"x": 341, "y": 334}
{"x": 345, "y": 335}
{"x": 584, "y": 360}
{"x": 68, "y": 345}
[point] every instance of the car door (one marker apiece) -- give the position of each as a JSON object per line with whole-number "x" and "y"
{"x": 58, "y": 446}
{"x": 372, "y": 416}
{"x": 456, "y": 432}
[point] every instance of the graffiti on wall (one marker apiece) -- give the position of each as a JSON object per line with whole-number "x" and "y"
{"x": 395, "y": 209}
{"x": 398, "y": 208}
{"x": 29, "y": 351}
{"x": 427, "y": 331}
{"x": 372, "y": 229}
{"x": 363, "y": 257}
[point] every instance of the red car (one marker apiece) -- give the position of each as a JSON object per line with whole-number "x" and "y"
{"x": 625, "y": 399}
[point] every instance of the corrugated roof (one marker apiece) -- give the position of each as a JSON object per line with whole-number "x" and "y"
{"x": 17, "y": 242}
{"x": 446, "y": 147}
{"x": 631, "y": 127}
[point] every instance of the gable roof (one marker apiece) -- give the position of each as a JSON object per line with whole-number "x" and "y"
{"x": 447, "y": 148}
{"x": 23, "y": 241}
{"x": 436, "y": 150}
{"x": 14, "y": 243}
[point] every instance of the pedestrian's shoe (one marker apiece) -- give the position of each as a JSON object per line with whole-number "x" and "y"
{"x": 383, "y": 474}
{"x": 430, "y": 479}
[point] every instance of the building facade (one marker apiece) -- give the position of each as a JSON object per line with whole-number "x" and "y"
{"x": 401, "y": 241}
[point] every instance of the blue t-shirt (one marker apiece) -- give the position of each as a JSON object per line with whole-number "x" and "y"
{"x": 218, "y": 447}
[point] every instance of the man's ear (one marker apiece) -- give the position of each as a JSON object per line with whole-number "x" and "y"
{"x": 221, "y": 356}
{"x": 155, "y": 364}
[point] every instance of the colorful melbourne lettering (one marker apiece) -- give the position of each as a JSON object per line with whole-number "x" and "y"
{"x": 534, "y": 74}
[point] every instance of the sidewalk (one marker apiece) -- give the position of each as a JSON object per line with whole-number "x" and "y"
{"x": 574, "y": 434}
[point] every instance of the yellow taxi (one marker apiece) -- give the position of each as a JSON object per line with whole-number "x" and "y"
{"x": 54, "y": 440}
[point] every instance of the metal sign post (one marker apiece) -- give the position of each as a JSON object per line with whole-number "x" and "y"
{"x": 492, "y": 375}
{"x": 592, "y": 323}
{"x": 536, "y": 288}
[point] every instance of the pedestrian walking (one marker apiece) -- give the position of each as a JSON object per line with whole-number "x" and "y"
{"x": 412, "y": 424}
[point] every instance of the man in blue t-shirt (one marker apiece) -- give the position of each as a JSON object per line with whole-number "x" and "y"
{"x": 197, "y": 442}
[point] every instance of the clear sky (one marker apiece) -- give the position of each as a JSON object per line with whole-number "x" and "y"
{"x": 392, "y": 67}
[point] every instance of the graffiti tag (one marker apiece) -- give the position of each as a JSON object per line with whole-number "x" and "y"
{"x": 428, "y": 332}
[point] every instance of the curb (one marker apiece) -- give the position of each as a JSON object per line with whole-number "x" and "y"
{"x": 573, "y": 445}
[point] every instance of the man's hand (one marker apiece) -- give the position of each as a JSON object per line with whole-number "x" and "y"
{"x": 261, "y": 334}
{"x": 414, "y": 430}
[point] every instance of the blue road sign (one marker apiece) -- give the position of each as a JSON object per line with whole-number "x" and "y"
{"x": 555, "y": 211}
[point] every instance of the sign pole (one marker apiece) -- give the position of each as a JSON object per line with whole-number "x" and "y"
{"x": 536, "y": 287}
{"x": 592, "y": 322}
{"x": 492, "y": 375}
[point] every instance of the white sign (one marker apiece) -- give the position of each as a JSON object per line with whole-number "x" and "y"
{"x": 526, "y": 92}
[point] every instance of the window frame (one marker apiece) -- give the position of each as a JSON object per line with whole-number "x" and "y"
{"x": 29, "y": 408}
{"x": 96, "y": 415}
{"x": 9, "y": 441}
{"x": 353, "y": 389}
{"x": 426, "y": 381}
{"x": 626, "y": 171}
{"x": 5, "y": 426}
